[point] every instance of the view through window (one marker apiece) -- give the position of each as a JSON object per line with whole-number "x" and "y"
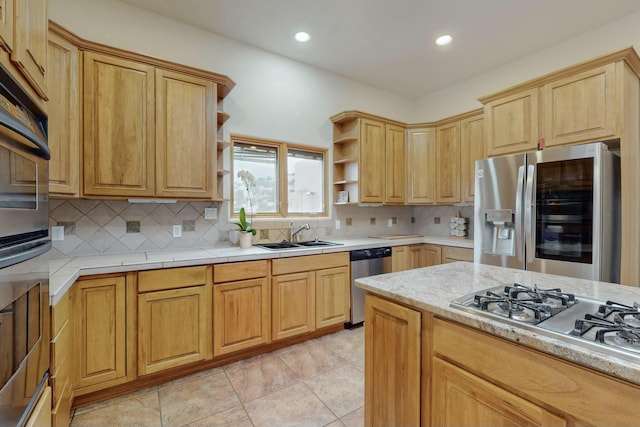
{"x": 278, "y": 179}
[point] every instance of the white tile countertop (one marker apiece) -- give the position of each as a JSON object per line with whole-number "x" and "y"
{"x": 63, "y": 272}
{"x": 433, "y": 288}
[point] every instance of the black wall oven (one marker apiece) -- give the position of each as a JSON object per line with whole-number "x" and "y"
{"x": 24, "y": 243}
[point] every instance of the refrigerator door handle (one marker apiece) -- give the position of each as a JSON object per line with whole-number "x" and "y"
{"x": 518, "y": 219}
{"x": 528, "y": 209}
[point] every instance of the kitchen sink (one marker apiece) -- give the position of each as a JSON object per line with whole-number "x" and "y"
{"x": 311, "y": 243}
{"x": 297, "y": 245}
{"x": 278, "y": 246}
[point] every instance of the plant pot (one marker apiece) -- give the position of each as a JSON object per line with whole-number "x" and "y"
{"x": 244, "y": 240}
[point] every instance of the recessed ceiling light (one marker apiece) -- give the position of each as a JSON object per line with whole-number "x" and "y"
{"x": 302, "y": 36}
{"x": 443, "y": 40}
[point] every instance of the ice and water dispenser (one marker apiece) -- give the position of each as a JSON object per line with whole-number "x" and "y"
{"x": 499, "y": 235}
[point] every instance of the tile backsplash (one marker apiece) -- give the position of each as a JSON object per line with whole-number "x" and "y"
{"x": 110, "y": 226}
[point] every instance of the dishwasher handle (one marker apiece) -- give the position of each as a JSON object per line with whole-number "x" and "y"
{"x": 372, "y": 253}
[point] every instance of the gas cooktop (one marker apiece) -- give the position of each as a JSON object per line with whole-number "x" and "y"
{"x": 607, "y": 326}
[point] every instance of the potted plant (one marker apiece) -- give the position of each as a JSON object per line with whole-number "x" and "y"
{"x": 246, "y": 229}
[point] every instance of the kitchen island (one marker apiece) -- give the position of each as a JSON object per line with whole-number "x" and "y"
{"x": 432, "y": 364}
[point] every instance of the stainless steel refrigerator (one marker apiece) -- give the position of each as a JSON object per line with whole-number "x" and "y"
{"x": 555, "y": 211}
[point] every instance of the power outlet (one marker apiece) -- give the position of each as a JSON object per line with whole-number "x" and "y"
{"x": 338, "y": 224}
{"x": 210, "y": 213}
{"x": 177, "y": 231}
{"x": 57, "y": 232}
{"x": 390, "y": 222}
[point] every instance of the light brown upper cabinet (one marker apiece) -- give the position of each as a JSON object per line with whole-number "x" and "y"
{"x": 448, "y": 163}
{"x": 148, "y": 127}
{"x": 30, "y": 42}
{"x": 581, "y": 107}
{"x": 359, "y": 158}
{"x": 119, "y": 127}
{"x": 372, "y": 162}
{"x": 512, "y": 123}
{"x": 185, "y": 136}
{"x": 471, "y": 149}
{"x": 395, "y": 155}
{"x": 148, "y": 132}
{"x": 421, "y": 166}
{"x": 64, "y": 68}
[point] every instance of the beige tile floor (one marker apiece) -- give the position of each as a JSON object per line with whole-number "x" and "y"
{"x": 316, "y": 383}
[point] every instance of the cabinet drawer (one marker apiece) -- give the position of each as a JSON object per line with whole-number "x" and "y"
{"x": 557, "y": 384}
{"x": 171, "y": 278}
{"x": 59, "y": 314}
{"x": 309, "y": 263}
{"x": 453, "y": 254}
{"x": 60, "y": 380}
{"x": 239, "y": 271}
{"x": 60, "y": 347}
{"x": 61, "y": 415}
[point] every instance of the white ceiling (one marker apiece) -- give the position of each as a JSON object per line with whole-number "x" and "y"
{"x": 388, "y": 44}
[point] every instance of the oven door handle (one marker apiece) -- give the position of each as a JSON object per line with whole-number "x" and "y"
{"x": 11, "y": 123}
{"x": 14, "y": 255}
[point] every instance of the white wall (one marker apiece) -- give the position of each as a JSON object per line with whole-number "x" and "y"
{"x": 463, "y": 96}
{"x": 274, "y": 97}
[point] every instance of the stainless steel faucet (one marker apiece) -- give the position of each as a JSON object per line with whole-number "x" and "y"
{"x": 295, "y": 232}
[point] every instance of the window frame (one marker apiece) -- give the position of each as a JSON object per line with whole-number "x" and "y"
{"x": 282, "y": 148}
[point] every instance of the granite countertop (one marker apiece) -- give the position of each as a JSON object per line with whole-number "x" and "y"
{"x": 63, "y": 272}
{"x": 433, "y": 288}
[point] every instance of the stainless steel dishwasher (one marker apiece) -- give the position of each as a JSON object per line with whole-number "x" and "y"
{"x": 365, "y": 262}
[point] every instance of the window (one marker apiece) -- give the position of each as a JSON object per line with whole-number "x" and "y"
{"x": 276, "y": 179}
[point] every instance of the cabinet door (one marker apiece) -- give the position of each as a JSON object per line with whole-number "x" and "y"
{"x": 421, "y": 166}
{"x": 453, "y": 254}
{"x": 100, "y": 333}
{"x": 372, "y": 164}
{"x": 432, "y": 255}
{"x": 6, "y": 24}
{"x": 173, "y": 328}
{"x": 580, "y": 108}
{"x": 185, "y": 136}
{"x": 396, "y": 176}
{"x": 64, "y": 117}
{"x": 333, "y": 296}
{"x": 400, "y": 258}
{"x": 471, "y": 149}
{"x": 462, "y": 399}
{"x": 292, "y": 305}
{"x": 392, "y": 364}
{"x": 448, "y": 163}
{"x": 241, "y": 314}
{"x": 118, "y": 127}
{"x": 30, "y": 42}
{"x": 512, "y": 123}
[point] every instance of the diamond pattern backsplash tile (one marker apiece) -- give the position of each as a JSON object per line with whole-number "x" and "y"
{"x": 100, "y": 225}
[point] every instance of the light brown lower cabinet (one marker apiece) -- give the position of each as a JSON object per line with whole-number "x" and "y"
{"x": 241, "y": 306}
{"x": 420, "y": 255}
{"x": 392, "y": 364}
{"x": 465, "y": 377}
{"x": 453, "y": 254}
{"x": 333, "y": 298}
{"x": 103, "y": 332}
{"x": 292, "y": 304}
{"x": 174, "y": 325}
{"x": 308, "y": 293}
{"x": 462, "y": 399}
